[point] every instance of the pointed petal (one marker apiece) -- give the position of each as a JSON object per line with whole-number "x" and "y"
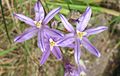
{"x": 51, "y": 14}
{"x": 41, "y": 42}
{"x": 77, "y": 51}
{"x": 45, "y": 56}
{"x": 25, "y": 19}
{"x": 96, "y": 30}
{"x": 53, "y": 32}
{"x": 84, "y": 19}
{"x": 39, "y": 11}
{"x": 66, "y": 24}
{"x": 29, "y": 33}
{"x": 86, "y": 43}
{"x": 65, "y": 41}
{"x": 57, "y": 52}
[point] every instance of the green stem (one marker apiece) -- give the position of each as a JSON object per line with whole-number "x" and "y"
{"x": 4, "y": 21}
{"x": 83, "y": 7}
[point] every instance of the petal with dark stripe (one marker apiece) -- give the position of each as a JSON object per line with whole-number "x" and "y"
{"x": 57, "y": 53}
{"x": 77, "y": 51}
{"x": 25, "y": 19}
{"x": 96, "y": 30}
{"x": 45, "y": 56}
{"x": 41, "y": 41}
{"x": 51, "y": 14}
{"x": 39, "y": 11}
{"x": 53, "y": 32}
{"x": 66, "y": 24}
{"x": 65, "y": 41}
{"x": 28, "y": 34}
{"x": 86, "y": 43}
{"x": 84, "y": 19}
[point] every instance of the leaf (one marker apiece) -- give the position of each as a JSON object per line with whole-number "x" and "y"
{"x": 4, "y": 52}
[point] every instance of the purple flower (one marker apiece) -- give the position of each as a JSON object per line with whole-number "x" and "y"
{"x": 38, "y": 26}
{"x": 72, "y": 70}
{"x": 52, "y": 44}
{"x": 80, "y": 34}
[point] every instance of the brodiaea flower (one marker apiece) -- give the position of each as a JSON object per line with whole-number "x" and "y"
{"x": 52, "y": 44}
{"x": 72, "y": 70}
{"x": 80, "y": 34}
{"x": 38, "y": 25}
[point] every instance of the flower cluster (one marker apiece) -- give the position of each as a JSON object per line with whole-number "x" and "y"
{"x": 50, "y": 39}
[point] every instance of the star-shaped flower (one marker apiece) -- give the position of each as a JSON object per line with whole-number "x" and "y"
{"x": 38, "y": 26}
{"x": 52, "y": 44}
{"x": 80, "y": 34}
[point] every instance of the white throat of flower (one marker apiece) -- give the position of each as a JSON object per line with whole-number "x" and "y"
{"x": 52, "y": 43}
{"x": 38, "y": 23}
{"x": 80, "y": 34}
{"x": 82, "y": 73}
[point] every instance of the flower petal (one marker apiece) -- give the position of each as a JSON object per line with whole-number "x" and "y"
{"x": 84, "y": 19}
{"x": 56, "y": 51}
{"x": 77, "y": 51}
{"x": 65, "y": 41}
{"x": 96, "y": 30}
{"x": 25, "y": 19}
{"x": 39, "y": 11}
{"x": 29, "y": 33}
{"x": 45, "y": 56}
{"x": 53, "y": 32}
{"x": 41, "y": 41}
{"x": 66, "y": 24}
{"x": 51, "y": 14}
{"x": 86, "y": 43}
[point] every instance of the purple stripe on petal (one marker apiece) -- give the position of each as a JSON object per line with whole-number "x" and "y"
{"x": 25, "y": 19}
{"x": 96, "y": 30}
{"x": 39, "y": 11}
{"x": 66, "y": 24}
{"x": 51, "y": 14}
{"x": 41, "y": 41}
{"x": 29, "y": 33}
{"x": 57, "y": 52}
{"x": 53, "y": 32}
{"x": 84, "y": 19}
{"x": 65, "y": 41}
{"x": 86, "y": 43}
{"x": 77, "y": 51}
{"x": 45, "y": 56}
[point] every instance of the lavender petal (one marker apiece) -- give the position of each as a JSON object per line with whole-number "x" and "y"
{"x": 51, "y": 14}
{"x": 41, "y": 44}
{"x": 96, "y": 30}
{"x": 56, "y": 51}
{"x": 77, "y": 51}
{"x": 53, "y": 32}
{"x": 86, "y": 43}
{"x": 25, "y": 19}
{"x": 66, "y": 24}
{"x": 65, "y": 41}
{"x": 84, "y": 19}
{"x": 39, "y": 11}
{"x": 45, "y": 56}
{"x": 29, "y": 33}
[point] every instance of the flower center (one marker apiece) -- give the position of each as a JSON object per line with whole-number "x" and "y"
{"x": 52, "y": 43}
{"x": 38, "y": 23}
{"x": 80, "y": 34}
{"x": 82, "y": 73}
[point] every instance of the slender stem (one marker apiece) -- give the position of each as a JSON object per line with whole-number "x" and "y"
{"x": 4, "y": 21}
{"x": 83, "y": 7}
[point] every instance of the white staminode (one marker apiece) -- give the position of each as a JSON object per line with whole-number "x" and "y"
{"x": 38, "y": 23}
{"x": 82, "y": 73}
{"x": 52, "y": 43}
{"x": 80, "y": 34}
